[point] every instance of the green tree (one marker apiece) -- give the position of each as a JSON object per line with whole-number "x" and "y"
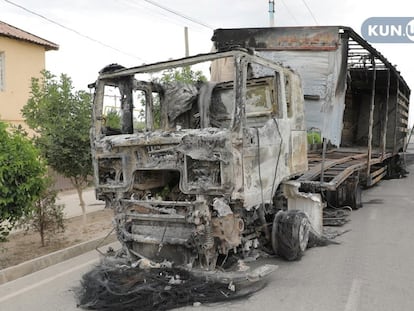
{"x": 21, "y": 177}
{"x": 184, "y": 74}
{"x": 46, "y": 217}
{"x": 61, "y": 118}
{"x": 113, "y": 119}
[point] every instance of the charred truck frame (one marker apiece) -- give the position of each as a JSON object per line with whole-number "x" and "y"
{"x": 227, "y": 170}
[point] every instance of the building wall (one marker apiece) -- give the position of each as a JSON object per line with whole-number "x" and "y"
{"x": 23, "y": 60}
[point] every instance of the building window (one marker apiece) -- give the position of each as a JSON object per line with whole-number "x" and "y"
{"x": 2, "y": 70}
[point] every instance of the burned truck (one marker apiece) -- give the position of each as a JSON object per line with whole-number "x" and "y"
{"x": 210, "y": 171}
{"x": 353, "y": 97}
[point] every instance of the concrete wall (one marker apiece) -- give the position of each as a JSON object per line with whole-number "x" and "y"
{"x": 23, "y": 60}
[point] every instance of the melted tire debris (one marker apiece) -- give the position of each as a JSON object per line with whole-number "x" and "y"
{"x": 114, "y": 287}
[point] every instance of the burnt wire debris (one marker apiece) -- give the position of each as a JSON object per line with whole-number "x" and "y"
{"x": 113, "y": 285}
{"x": 116, "y": 284}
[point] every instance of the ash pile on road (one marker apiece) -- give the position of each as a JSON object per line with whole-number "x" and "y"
{"x": 111, "y": 286}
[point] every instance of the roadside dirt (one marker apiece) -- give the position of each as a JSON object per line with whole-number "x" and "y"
{"x": 23, "y": 246}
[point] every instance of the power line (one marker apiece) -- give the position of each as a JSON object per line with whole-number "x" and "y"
{"x": 179, "y": 14}
{"x": 73, "y": 30}
{"x": 158, "y": 13}
{"x": 290, "y": 13}
{"x": 310, "y": 12}
{"x": 150, "y": 10}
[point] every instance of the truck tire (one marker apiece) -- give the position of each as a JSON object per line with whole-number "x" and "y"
{"x": 290, "y": 234}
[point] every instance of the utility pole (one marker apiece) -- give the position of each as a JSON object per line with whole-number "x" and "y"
{"x": 271, "y": 13}
{"x": 187, "y": 49}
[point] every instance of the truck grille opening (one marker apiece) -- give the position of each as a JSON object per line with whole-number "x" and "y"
{"x": 203, "y": 174}
{"x": 158, "y": 184}
{"x": 110, "y": 171}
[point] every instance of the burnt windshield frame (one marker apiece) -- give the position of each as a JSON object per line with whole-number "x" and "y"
{"x": 242, "y": 58}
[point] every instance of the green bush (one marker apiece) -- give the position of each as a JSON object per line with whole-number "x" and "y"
{"x": 47, "y": 217}
{"x": 314, "y": 138}
{"x": 21, "y": 177}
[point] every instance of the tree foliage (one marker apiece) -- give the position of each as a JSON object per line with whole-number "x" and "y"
{"x": 46, "y": 217}
{"x": 184, "y": 74}
{"x": 113, "y": 119}
{"x": 61, "y": 118}
{"x": 21, "y": 177}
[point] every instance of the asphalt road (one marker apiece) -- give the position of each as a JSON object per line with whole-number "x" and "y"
{"x": 371, "y": 270}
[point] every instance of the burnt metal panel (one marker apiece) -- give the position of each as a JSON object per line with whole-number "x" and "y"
{"x": 319, "y": 71}
{"x": 278, "y": 38}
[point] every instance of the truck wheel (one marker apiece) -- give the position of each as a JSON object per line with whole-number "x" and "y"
{"x": 290, "y": 234}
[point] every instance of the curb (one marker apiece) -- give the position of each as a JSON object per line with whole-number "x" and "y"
{"x": 39, "y": 263}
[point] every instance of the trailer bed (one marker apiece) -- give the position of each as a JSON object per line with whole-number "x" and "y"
{"x": 330, "y": 171}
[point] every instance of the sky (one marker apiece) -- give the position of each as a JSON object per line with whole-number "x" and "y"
{"x": 140, "y": 32}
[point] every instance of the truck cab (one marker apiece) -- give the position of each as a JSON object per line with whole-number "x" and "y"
{"x": 193, "y": 170}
